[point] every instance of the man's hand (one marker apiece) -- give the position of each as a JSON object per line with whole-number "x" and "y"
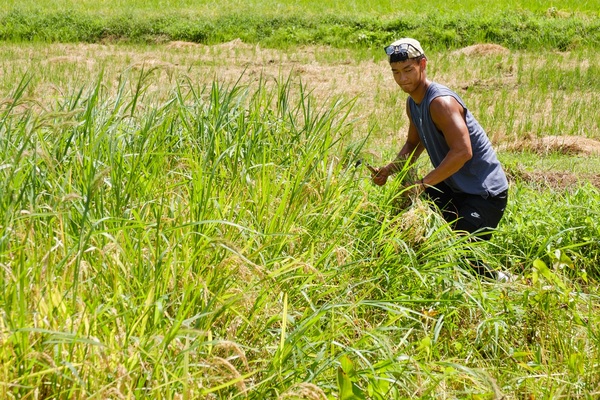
{"x": 415, "y": 189}
{"x": 379, "y": 175}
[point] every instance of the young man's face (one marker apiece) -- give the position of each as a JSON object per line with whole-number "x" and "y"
{"x": 408, "y": 74}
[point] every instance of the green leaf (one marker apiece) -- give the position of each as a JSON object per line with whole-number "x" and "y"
{"x": 346, "y": 373}
{"x": 543, "y": 269}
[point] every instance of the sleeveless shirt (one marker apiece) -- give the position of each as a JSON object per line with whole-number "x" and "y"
{"x": 482, "y": 174}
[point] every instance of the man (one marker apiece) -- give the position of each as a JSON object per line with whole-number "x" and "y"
{"x": 467, "y": 182}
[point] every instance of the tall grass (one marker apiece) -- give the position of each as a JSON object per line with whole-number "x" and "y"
{"x": 221, "y": 243}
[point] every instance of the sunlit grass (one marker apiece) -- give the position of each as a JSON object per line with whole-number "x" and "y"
{"x": 377, "y": 7}
{"x": 530, "y": 25}
{"x": 514, "y": 94}
{"x": 168, "y": 236}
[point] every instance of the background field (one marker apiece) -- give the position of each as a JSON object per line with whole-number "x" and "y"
{"x": 185, "y": 218}
{"x": 376, "y": 8}
{"x": 359, "y": 24}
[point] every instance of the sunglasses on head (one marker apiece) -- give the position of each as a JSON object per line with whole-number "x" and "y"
{"x": 400, "y": 51}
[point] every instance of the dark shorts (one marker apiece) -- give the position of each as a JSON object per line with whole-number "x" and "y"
{"x": 468, "y": 212}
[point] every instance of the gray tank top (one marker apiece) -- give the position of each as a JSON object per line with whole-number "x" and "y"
{"x": 482, "y": 174}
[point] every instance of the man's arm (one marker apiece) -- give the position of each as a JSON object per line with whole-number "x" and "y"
{"x": 411, "y": 150}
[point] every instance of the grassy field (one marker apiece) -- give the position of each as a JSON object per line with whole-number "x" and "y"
{"x": 375, "y": 7}
{"x": 357, "y": 24}
{"x": 183, "y": 221}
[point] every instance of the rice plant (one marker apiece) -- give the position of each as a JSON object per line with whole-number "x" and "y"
{"x": 221, "y": 242}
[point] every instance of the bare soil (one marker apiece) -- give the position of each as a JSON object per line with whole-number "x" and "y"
{"x": 547, "y": 145}
{"x": 558, "y": 180}
{"x": 482, "y": 49}
{"x": 568, "y": 145}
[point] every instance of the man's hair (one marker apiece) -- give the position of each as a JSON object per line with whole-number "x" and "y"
{"x": 417, "y": 59}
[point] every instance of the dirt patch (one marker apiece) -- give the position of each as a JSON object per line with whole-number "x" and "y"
{"x": 181, "y": 44}
{"x": 235, "y": 44}
{"x": 482, "y": 50}
{"x": 508, "y": 81}
{"x": 553, "y": 180}
{"x": 66, "y": 59}
{"x": 568, "y": 145}
{"x": 543, "y": 146}
{"x": 153, "y": 63}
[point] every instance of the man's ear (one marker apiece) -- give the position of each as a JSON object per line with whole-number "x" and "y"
{"x": 423, "y": 63}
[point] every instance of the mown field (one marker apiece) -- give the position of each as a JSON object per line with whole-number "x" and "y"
{"x": 185, "y": 219}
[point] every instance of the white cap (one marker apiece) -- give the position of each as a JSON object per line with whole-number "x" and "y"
{"x": 414, "y": 50}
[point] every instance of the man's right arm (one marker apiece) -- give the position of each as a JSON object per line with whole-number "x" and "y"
{"x": 411, "y": 150}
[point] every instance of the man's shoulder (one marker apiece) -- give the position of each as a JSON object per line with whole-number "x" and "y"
{"x": 442, "y": 95}
{"x": 442, "y": 101}
{"x": 437, "y": 88}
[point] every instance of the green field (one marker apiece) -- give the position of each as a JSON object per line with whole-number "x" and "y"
{"x": 375, "y": 7}
{"x": 358, "y": 24}
{"x": 184, "y": 219}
